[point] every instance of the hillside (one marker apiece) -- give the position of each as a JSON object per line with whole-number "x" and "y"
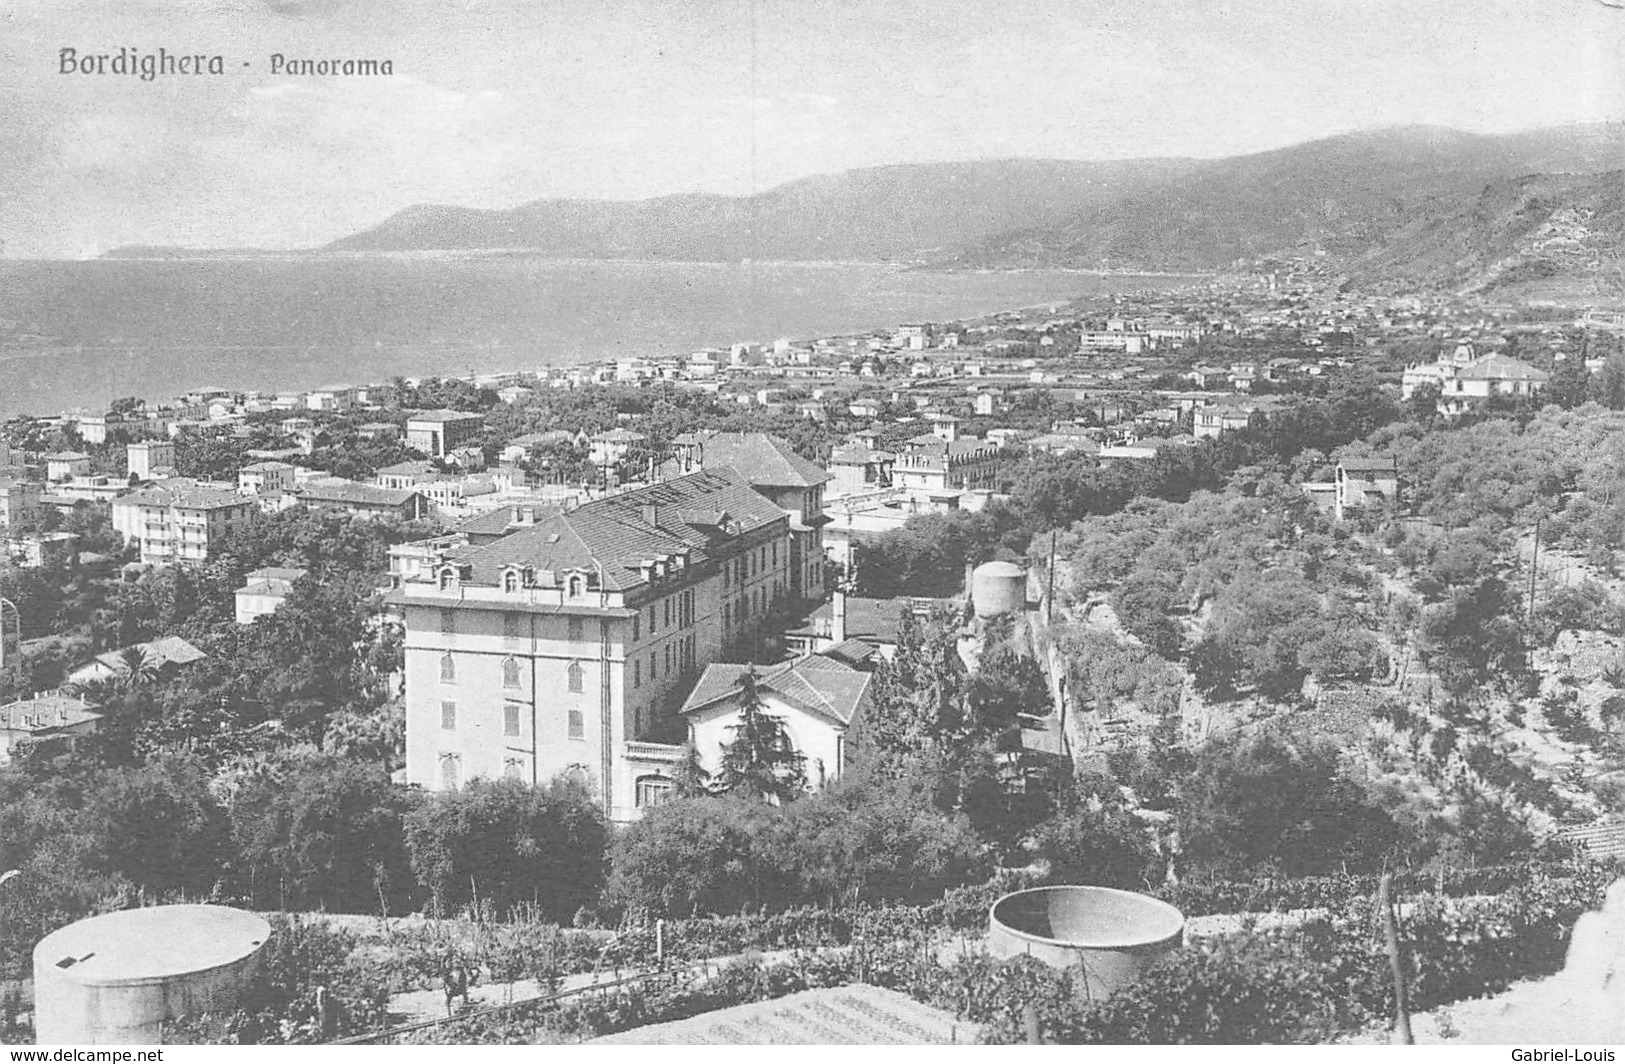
{"x": 881, "y": 214}
{"x": 1526, "y": 236}
{"x": 1343, "y": 196}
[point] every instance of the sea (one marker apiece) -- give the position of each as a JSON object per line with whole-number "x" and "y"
{"x": 76, "y": 334}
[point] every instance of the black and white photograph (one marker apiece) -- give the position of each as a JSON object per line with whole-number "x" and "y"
{"x": 812, "y": 522}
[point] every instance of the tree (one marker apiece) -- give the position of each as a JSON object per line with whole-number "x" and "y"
{"x": 1267, "y": 803}
{"x": 760, "y": 761}
{"x": 319, "y": 831}
{"x": 501, "y": 842}
{"x": 1423, "y": 405}
{"x": 1571, "y": 382}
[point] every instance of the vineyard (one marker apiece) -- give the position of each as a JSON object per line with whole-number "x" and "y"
{"x": 1323, "y": 978}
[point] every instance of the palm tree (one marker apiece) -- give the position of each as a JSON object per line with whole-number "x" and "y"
{"x": 138, "y": 670}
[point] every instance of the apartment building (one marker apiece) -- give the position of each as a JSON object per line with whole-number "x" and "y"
{"x": 179, "y": 525}
{"x": 437, "y": 433}
{"x": 568, "y": 646}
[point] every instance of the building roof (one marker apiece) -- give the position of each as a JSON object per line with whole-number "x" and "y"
{"x": 340, "y": 492}
{"x": 618, "y": 533}
{"x": 46, "y": 712}
{"x": 505, "y": 519}
{"x": 875, "y": 621}
{"x": 267, "y": 467}
{"x": 818, "y": 684}
{"x": 761, "y": 458}
{"x": 619, "y": 436}
{"x": 1368, "y": 465}
{"x": 169, "y": 650}
{"x": 1501, "y": 368}
{"x": 409, "y": 468}
{"x": 67, "y": 456}
{"x": 185, "y": 496}
{"x": 856, "y": 452}
{"x": 442, "y": 416}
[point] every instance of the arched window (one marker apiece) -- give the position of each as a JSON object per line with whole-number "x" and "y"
{"x": 510, "y": 581}
{"x": 652, "y": 790}
{"x": 445, "y": 579}
{"x": 575, "y": 587}
{"x": 576, "y": 674}
{"x": 448, "y": 668}
{"x": 450, "y": 772}
{"x": 510, "y": 672}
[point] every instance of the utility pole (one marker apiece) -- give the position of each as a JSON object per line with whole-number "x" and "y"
{"x": 1049, "y": 595}
{"x": 1534, "y": 568}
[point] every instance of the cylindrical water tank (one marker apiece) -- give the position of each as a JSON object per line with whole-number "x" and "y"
{"x": 118, "y": 978}
{"x": 998, "y": 587}
{"x": 1111, "y": 935}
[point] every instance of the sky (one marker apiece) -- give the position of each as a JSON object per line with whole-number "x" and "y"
{"x": 493, "y": 103}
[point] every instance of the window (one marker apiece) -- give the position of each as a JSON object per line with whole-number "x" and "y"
{"x": 448, "y": 668}
{"x": 510, "y": 581}
{"x": 652, "y": 628}
{"x": 510, "y": 719}
{"x": 450, "y": 771}
{"x": 448, "y": 716}
{"x": 575, "y": 673}
{"x": 727, "y": 614}
{"x": 513, "y": 769}
{"x": 448, "y": 622}
{"x": 775, "y": 553}
{"x": 652, "y": 671}
{"x": 667, "y": 605}
{"x": 578, "y": 629}
{"x": 652, "y": 790}
{"x": 635, "y": 627}
{"x": 445, "y": 579}
{"x": 577, "y": 725}
{"x": 637, "y": 673}
{"x": 510, "y": 672}
{"x": 513, "y": 626}
{"x": 575, "y": 587}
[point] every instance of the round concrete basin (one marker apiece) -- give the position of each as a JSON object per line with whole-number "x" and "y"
{"x": 1110, "y": 936}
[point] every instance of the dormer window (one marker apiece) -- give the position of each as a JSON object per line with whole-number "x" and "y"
{"x": 448, "y": 577}
{"x": 510, "y": 581}
{"x": 575, "y": 585}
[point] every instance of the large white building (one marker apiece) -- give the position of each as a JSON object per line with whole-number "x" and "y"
{"x": 179, "y": 524}
{"x": 1464, "y": 376}
{"x": 567, "y": 646}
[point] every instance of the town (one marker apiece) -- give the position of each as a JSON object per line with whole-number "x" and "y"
{"x": 1173, "y": 592}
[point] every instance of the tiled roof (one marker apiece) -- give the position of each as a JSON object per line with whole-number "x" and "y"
{"x": 763, "y": 459}
{"x": 815, "y": 683}
{"x": 274, "y": 573}
{"x": 339, "y": 490}
{"x": 186, "y": 498}
{"x": 410, "y": 467}
{"x": 170, "y": 650}
{"x": 442, "y": 416}
{"x": 45, "y": 713}
{"x": 1374, "y": 465}
{"x": 1501, "y": 368}
{"x": 504, "y": 519}
{"x": 616, "y": 535}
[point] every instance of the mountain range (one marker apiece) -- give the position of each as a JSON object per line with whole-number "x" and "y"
{"x": 1416, "y": 204}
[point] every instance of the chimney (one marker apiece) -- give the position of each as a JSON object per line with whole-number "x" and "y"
{"x": 651, "y": 514}
{"x": 837, "y": 625}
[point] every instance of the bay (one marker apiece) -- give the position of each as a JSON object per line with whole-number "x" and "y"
{"x": 75, "y": 334}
